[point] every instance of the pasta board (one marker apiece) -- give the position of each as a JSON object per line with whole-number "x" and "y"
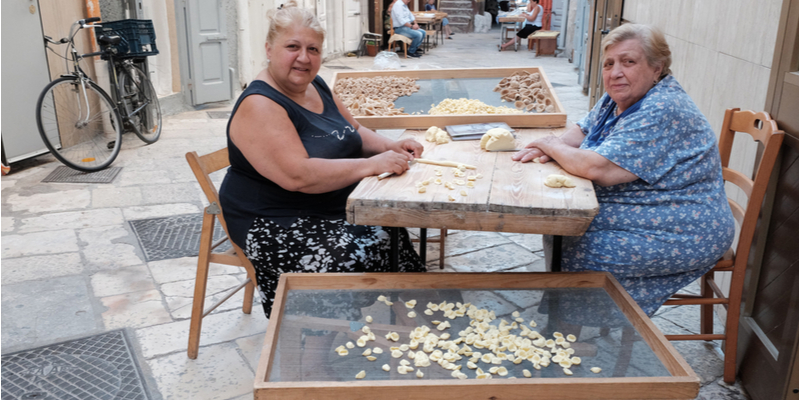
{"x": 558, "y": 118}
{"x": 637, "y": 361}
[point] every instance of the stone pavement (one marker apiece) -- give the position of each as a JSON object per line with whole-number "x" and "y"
{"x": 72, "y": 266}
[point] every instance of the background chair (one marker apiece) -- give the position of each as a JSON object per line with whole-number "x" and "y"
{"x": 394, "y": 38}
{"x": 764, "y": 130}
{"x": 202, "y": 167}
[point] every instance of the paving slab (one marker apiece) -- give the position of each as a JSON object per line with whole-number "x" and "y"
{"x": 72, "y": 220}
{"x": 50, "y": 242}
{"x": 173, "y": 337}
{"x": 180, "y": 269}
{"x": 159, "y": 211}
{"x": 134, "y": 310}
{"x": 122, "y": 280}
{"x": 218, "y": 373}
{"x": 62, "y": 309}
{"x": 493, "y": 259}
{"x": 61, "y": 200}
{"x": 110, "y": 247}
{"x": 116, "y": 197}
{"x": 30, "y": 268}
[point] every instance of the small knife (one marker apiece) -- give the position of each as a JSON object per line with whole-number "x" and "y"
{"x": 494, "y": 151}
{"x": 388, "y": 174}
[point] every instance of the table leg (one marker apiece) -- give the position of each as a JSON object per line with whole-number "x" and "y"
{"x": 423, "y": 244}
{"x": 394, "y": 249}
{"x": 555, "y": 264}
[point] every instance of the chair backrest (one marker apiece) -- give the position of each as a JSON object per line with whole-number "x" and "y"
{"x": 204, "y": 166}
{"x": 763, "y": 129}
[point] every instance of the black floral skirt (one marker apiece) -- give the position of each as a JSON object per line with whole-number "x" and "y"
{"x": 321, "y": 245}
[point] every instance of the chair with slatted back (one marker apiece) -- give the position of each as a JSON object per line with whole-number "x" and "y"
{"x": 764, "y": 130}
{"x": 394, "y": 38}
{"x": 202, "y": 167}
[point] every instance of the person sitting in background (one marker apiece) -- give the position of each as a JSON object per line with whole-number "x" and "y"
{"x": 403, "y": 22}
{"x": 533, "y": 22}
{"x": 296, "y": 154}
{"x": 445, "y": 23}
{"x": 664, "y": 217}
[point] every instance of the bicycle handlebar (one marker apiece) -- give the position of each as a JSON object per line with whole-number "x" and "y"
{"x": 89, "y": 20}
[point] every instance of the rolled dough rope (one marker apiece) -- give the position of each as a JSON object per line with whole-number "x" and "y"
{"x": 445, "y": 163}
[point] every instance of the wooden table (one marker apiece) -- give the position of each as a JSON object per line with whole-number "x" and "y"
{"x": 435, "y": 22}
{"x": 511, "y": 196}
{"x": 517, "y": 21}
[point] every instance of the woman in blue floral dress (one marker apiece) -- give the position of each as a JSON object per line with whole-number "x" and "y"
{"x": 664, "y": 218}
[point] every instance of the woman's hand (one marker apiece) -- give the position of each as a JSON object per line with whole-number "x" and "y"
{"x": 390, "y": 161}
{"x": 407, "y": 146}
{"x": 533, "y": 150}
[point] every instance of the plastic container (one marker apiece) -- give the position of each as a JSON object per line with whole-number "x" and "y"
{"x": 138, "y": 37}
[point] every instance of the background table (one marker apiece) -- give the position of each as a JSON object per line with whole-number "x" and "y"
{"x": 511, "y": 196}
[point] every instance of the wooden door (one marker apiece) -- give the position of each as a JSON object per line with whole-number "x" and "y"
{"x": 768, "y": 341}
{"x": 208, "y": 78}
{"x": 607, "y": 15}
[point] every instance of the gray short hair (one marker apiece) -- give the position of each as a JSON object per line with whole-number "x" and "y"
{"x": 653, "y": 43}
{"x": 289, "y": 14}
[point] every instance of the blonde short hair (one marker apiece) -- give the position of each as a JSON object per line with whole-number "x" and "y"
{"x": 289, "y": 14}
{"x": 655, "y": 46}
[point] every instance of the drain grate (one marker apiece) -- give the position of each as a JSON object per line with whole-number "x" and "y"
{"x": 173, "y": 237}
{"x": 337, "y": 67}
{"x": 96, "y": 367}
{"x": 64, "y": 174}
{"x": 219, "y": 114}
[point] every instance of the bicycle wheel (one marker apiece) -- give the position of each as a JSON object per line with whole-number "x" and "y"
{"x": 142, "y": 104}
{"x": 79, "y": 124}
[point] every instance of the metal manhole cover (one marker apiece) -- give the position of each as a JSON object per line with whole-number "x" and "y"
{"x": 64, "y": 174}
{"x": 219, "y": 114}
{"x": 173, "y": 237}
{"x": 96, "y": 367}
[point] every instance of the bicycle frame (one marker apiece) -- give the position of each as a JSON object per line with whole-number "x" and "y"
{"x": 114, "y": 71}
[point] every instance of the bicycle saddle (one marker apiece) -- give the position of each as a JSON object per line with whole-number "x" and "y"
{"x": 112, "y": 40}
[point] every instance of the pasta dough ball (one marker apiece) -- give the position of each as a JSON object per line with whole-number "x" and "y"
{"x": 557, "y": 181}
{"x": 497, "y": 139}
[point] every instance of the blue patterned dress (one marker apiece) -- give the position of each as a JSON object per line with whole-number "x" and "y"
{"x": 664, "y": 230}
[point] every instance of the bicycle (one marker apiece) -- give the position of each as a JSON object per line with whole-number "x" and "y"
{"x": 79, "y": 122}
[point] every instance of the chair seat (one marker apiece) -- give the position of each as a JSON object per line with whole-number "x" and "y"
{"x": 400, "y": 38}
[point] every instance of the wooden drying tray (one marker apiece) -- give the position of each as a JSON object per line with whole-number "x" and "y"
{"x": 527, "y": 120}
{"x": 681, "y": 383}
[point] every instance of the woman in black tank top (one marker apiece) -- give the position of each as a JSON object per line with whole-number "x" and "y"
{"x": 296, "y": 153}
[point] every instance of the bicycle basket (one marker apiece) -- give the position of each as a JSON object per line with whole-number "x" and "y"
{"x": 138, "y": 37}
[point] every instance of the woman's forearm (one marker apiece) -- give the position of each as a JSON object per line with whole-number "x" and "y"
{"x": 586, "y": 163}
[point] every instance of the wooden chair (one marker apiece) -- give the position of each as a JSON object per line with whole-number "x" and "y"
{"x": 202, "y": 167}
{"x": 764, "y": 130}
{"x": 394, "y": 38}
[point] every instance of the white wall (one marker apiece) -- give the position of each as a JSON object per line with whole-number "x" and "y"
{"x": 721, "y": 53}
{"x": 161, "y": 64}
{"x": 253, "y": 27}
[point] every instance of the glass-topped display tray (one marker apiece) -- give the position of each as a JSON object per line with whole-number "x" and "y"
{"x": 469, "y": 83}
{"x": 475, "y": 335}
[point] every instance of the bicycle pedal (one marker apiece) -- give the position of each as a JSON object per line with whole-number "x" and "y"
{"x": 111, "y": 144}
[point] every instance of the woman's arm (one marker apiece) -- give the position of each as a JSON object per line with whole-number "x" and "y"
{"x": 265, "y": 135}
{"x": 584, "y": 163}
{"x": 374, "y": 143}
{"x": 532, "y": 16}
{"x": 573, "y": 136}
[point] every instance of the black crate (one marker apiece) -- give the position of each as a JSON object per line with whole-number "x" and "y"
{"x": 138, "y": 37}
